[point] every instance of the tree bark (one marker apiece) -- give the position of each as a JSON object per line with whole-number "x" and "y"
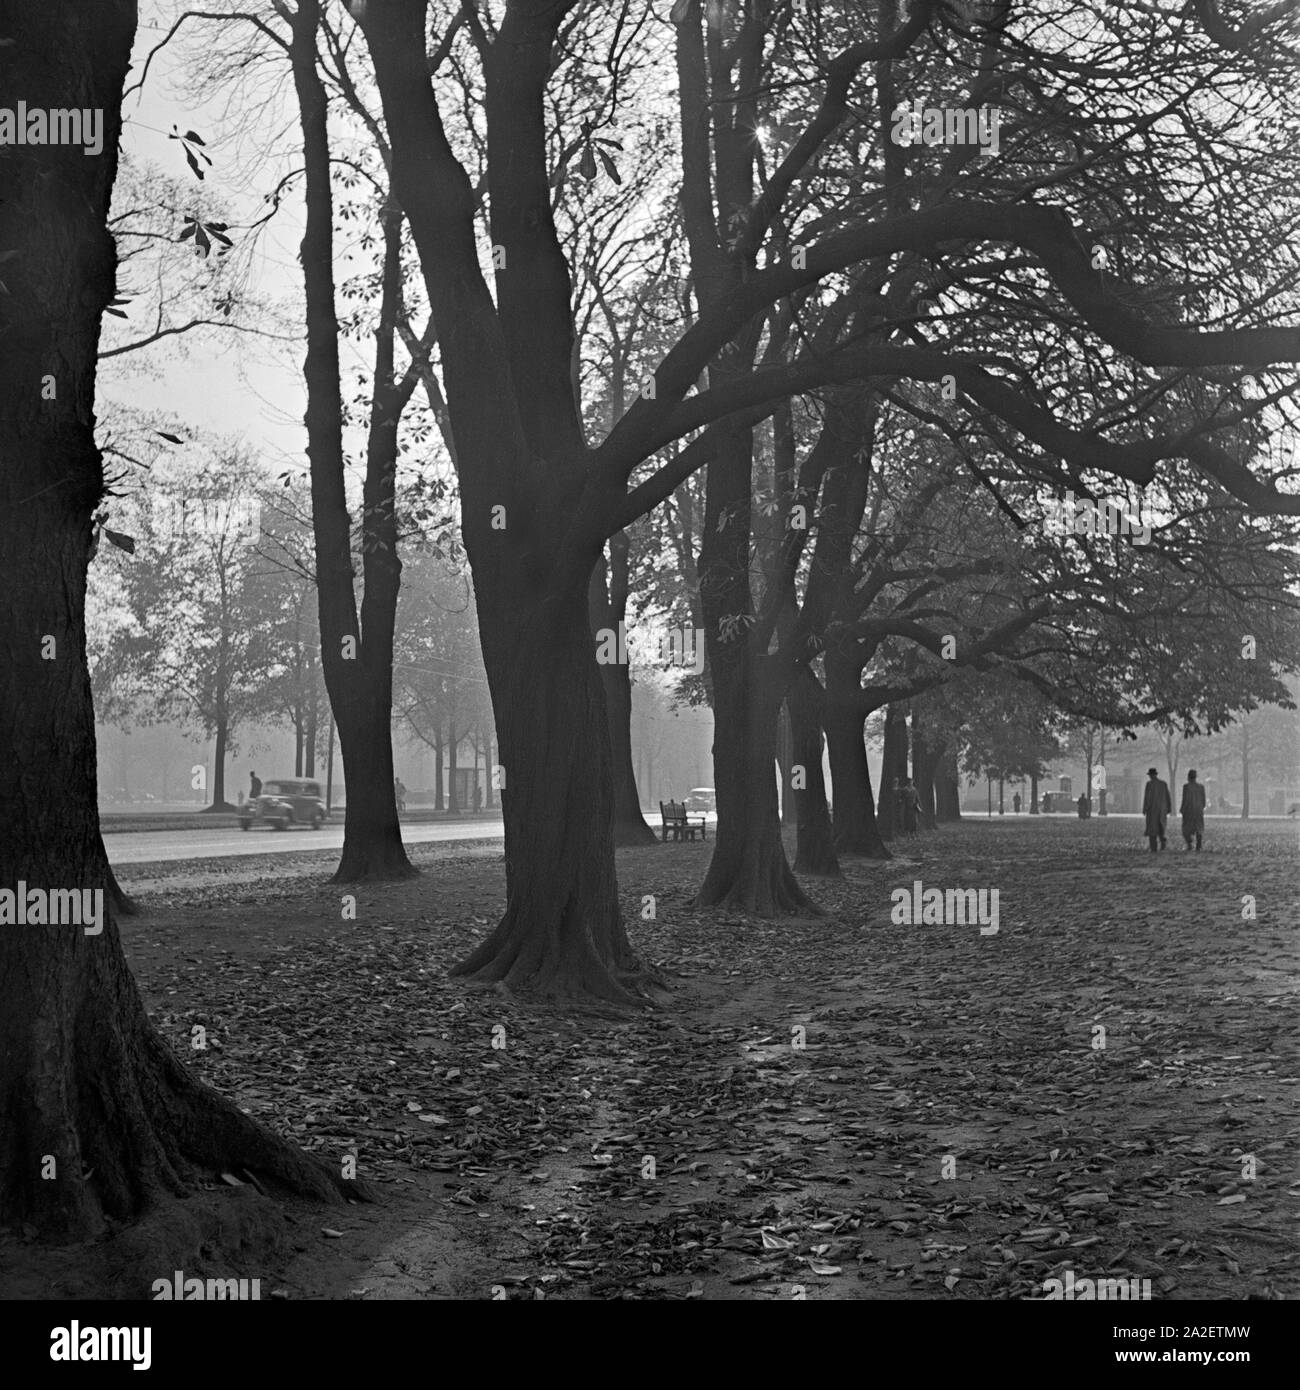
{"x": 787, "y": 759}
{"x": 562, "y": 936}
{"x": 356, "y": 648}
{"x": 815, "y": 843}
{"x": 749, "y": 870}
{"x": 219, "y": 802}
{"x": 1033, "y": 793}
{"x": 947, "y": 787}
{"x": 86, "y": 1084}
{"x": 925, "y": 762}
{"x": 893, "y": 769}
{"x": 438, "y": 803}
{"x": 856, "y": 832}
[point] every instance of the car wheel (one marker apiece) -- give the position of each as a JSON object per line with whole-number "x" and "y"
{"x": 282, "y": 823}
{"x": 316, "y": 821}
{"x": 243, "y": 825}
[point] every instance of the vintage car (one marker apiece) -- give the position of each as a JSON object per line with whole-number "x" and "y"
{"x": 701, "y": 799}
{"x": 285, "y": 802}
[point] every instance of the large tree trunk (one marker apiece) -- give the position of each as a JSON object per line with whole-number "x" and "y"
{"x": 815, "y": 845}
{"x": 86, "y": 1084}
{"x": 125, "y": 905}
{"x": 438, "y": 803}
{"x": 1033, "y": 793}
{"x": 947, "y": 787}
{"x": 562, "y": 934}
{"x": 748, "y": 870}
{"x": 855, "y": 813}
{"x": 925, "y": 763}
{"x": 893, "y": 770}
{"x": 372, "y": 840}
{"x": 786, "y": 759}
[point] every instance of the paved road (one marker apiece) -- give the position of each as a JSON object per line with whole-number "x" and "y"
{"x": 150, "y": 846}
{"x": 156, "y": 846}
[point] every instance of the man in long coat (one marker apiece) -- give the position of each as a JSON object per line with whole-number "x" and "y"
{"x": 1156, "y": 806}
{"x": 1192, "y": 810}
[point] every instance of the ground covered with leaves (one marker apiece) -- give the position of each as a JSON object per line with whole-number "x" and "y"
{"x": 846, "y": 1108}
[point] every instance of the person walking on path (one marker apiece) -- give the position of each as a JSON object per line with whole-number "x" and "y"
{"x": 399, "y": 794}
{"x": 254, "y": 786}
{"x": 1156, "y": 806}
{"x": 1192, "y": 810}
{"x": 911, "y": 803}
{"x": 1015, "y": 803}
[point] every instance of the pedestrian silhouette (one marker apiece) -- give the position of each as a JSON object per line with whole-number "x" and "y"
{"x": 1192, "y": 811}
{"x": 1156, "y": 806}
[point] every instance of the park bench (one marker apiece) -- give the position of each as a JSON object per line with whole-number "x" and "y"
{"x": 682, "y": 826}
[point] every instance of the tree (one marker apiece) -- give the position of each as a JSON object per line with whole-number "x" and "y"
{"x": 356, "y": 640}
{"x": 538, "y": 502}
{"x": 85, "y": 1081}
{"x": 439, "y": 688}
{"x": 203, "y": 642}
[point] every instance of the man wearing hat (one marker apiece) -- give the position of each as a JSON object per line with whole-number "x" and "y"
{"x": 1156, "y": 806}
{"x": 1192, "y": 810}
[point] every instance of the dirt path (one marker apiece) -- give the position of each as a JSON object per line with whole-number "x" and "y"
{"x": 950, "y": 1122}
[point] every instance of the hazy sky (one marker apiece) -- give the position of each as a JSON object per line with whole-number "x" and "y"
{"x": 225, "y": 383}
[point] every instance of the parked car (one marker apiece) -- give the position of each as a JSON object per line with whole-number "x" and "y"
{"x": 701, "y": 799}
{"x": 285, "y": 802}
